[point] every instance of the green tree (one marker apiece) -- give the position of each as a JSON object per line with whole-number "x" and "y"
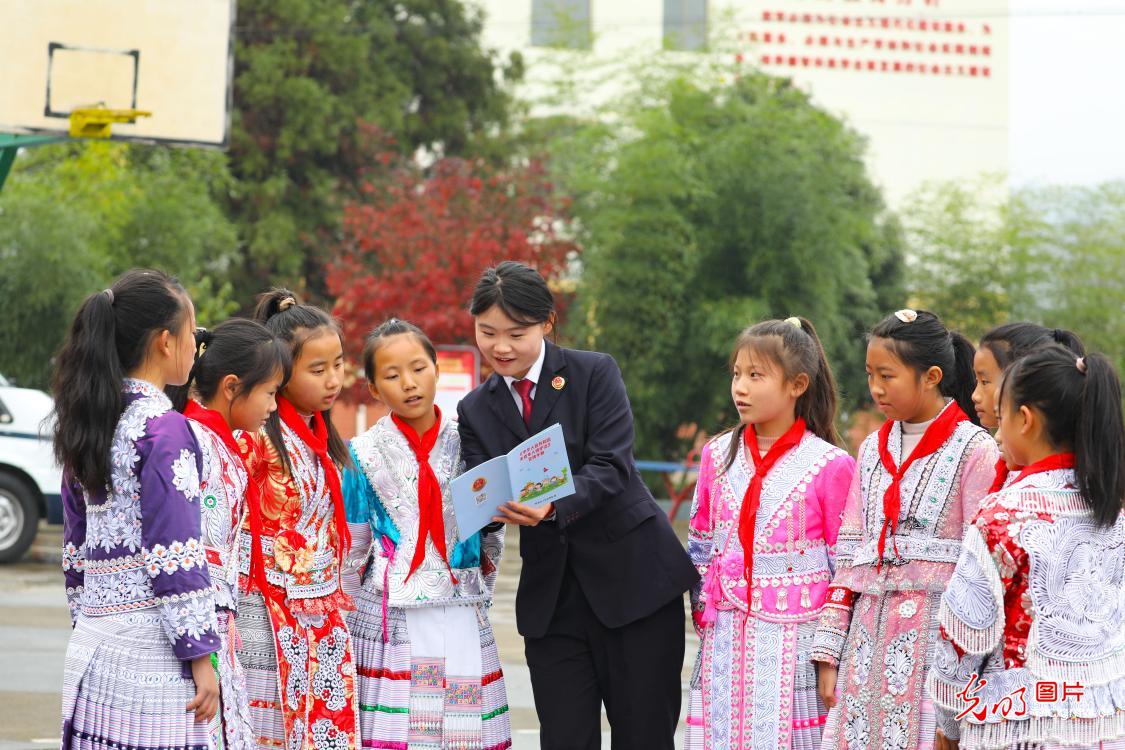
{"x": 74, "y": 216}
{"x": 705, "y": 207}
{"x": 971, "y": 251}
{"x": 307, "y": 73}
{"x": 1080, "y": 282}
{"x": 982, "y": 255}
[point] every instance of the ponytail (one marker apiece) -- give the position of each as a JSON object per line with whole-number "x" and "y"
{"x": 87, "y": 391}
{"x": 1069, "y": 340}
{"x": 1080, "y": 399}
{"x": 108, "y": 339}
{"x": 793, "y": 346}
{"x": 960, "y": 387}
{"x": 817, "y": 405}
{"x": 1099, "y": 441}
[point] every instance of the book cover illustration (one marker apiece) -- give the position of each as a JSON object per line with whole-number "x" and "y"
{"x": 535, "y": 472}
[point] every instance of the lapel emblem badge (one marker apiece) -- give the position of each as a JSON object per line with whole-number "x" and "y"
{"x": 558, "y": 383}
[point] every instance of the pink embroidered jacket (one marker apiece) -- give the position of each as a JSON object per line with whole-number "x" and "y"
{"x": 795, "y": 535}
{"x": 940, "y": 495}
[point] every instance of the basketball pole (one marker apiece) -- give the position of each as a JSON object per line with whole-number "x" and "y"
{"x": 10, "y": 144}
{"x": 87, "y": 122}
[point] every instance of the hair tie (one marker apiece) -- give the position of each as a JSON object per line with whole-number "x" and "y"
{"x": 286, "y": 303}
{"x": 795, "y": 322}
{"x": 1080, "y": 363}
{"x": 108, "y": 293}
{"x": 907, "y": 315}
{"x": 203, "y": 337}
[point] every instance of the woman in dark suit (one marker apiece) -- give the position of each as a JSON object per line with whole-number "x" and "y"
{"x": 600, "y": 599}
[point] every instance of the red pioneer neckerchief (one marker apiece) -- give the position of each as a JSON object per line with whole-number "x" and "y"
{"x": 215, "y": 422}
{"x": 431, "y": 521}
{"x": 317, "y": 440}
{"x": 1055, "y": 461}
{"x": 748, "y": 517}
{"x": 1002, "y": 472}
{"x": 932, "y": 439}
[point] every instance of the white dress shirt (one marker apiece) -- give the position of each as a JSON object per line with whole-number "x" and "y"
{"x": 533, "y": 375}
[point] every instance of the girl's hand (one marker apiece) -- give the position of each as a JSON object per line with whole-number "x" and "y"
{"x": 826, "y": 675}
{"x": 206, "y": 700}
{"x": 941, "y": 742}
{"x": 522, "y": 514}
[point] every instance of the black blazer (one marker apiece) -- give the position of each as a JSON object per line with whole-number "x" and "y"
{"x": 611, "y": 533}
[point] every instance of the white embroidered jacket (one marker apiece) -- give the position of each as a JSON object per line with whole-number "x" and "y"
{"x": 1036, "y": 611}
{"x": 222, "y": 486}
{"x": 382, "y": 499}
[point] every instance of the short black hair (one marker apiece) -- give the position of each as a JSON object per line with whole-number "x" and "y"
{"x": 518, "y": 290}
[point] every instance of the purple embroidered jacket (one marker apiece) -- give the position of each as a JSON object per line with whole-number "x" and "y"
{"x": 135, "y": 544}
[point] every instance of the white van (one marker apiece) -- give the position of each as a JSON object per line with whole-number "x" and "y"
{"x": 30, "y": 480}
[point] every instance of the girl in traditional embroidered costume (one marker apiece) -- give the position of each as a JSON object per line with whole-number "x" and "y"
{"x": 138, "y": 667}
{"x": 1032, "y": 646}
{"x": 429, "y": 671}
{"x": 295, "y": 644}
{"x": 999, "y": 348}
{"x": 762, "y": 535}
{"x": 918, "y": 482}
{"x": 234, "y": 382}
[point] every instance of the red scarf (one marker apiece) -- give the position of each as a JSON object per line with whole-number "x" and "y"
{"x": 215, "y": 422}
{"x": 317, "y": 440}
{"x": 1002, "y": 472}
{"x": 1054, "y": 461}
{"x": 430, "y": 518}
{"x": 932, "y": 439}
{"x": 748, "y": 517}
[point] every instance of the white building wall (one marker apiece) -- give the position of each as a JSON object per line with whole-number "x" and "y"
{"x": 943, "y": 114}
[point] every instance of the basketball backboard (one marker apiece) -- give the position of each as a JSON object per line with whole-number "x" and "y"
{"x": 173, "y": 58}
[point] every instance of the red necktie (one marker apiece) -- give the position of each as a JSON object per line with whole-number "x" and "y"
{"x": 523, "y": 388}
{"x": 933, "y": 438}
{"x": 748, "y": 516}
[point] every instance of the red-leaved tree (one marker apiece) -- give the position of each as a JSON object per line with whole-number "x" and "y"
{"x": 416, "y": 242}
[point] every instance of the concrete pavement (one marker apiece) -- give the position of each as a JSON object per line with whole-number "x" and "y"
{"x": 35, "y": 626}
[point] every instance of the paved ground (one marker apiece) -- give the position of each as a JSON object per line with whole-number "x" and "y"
{"x": 34, "y": 628}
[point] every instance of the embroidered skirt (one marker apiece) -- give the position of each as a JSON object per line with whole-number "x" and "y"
{"x": 124, "y": 688}
{"x": 258, "y": 655}
{"x": 300, "y": 678}
{"x": 233, "y": 727}
{"x": 754, "y": 687}
{"x": 881, "y": 685}
{"x": 430, "y": 679}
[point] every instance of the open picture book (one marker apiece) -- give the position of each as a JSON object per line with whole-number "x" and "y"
{"x": 535, "y": 472}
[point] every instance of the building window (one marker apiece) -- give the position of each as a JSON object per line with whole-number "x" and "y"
{"x": 561, "y": 23}
{"x": 685, "y": 24}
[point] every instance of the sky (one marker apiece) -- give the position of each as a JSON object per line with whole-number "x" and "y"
{"x": 1067, "y": 105}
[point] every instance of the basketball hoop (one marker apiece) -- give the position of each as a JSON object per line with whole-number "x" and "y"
{"x": 96, "y": 122}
